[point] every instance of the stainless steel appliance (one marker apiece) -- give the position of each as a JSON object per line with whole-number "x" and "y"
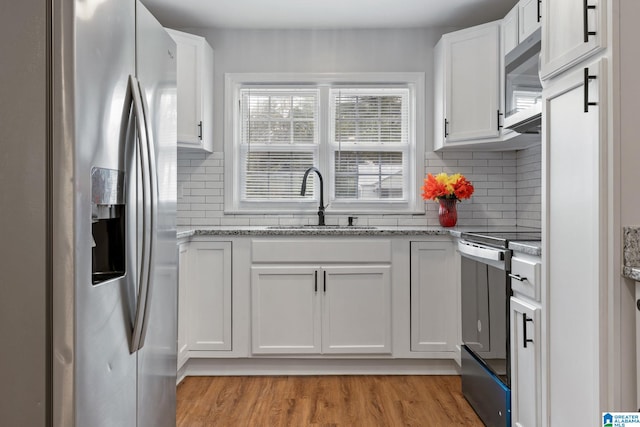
{"x": 97, "y": 323}
{"x": 523, "y": 89}
{"x": 486, "y": 263}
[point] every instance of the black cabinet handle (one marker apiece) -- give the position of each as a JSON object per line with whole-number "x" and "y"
{"x": 539, "y": 15}
{"x": 315, "y": 287}
{"x": 498, "y": 119}
{"x": 324, "y": 280}
{"x": 446, "y": 128}
{"x": 525, "y": 340}
{"x": 517, "y": 277}
{"x": 587, "y": 78}
{"x": 200, "y": 130}
{"x": 585, "y": 16}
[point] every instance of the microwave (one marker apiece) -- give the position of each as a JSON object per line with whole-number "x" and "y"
{"x": 523, "y": 89}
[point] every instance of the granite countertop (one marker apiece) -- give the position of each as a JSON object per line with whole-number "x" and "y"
{"x": 631, "y": 248}
{"x": 526, "y": 247}
{"x": 304, "y": 230}
{"x": 532, "y": 248}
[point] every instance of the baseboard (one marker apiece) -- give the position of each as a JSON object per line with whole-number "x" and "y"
{"x": 278, "y": 366}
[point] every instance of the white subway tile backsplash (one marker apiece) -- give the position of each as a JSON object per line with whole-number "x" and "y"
{"x": 507, "y": 192}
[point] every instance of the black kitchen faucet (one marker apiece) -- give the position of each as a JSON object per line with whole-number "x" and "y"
{"x": 304, "y": 189}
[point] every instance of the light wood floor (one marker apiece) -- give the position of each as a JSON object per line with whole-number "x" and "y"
{"x": 298, "y": 401}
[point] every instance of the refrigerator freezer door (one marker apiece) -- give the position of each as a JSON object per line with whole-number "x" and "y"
{"x": 104, "y": 375}
{"x": 156, "y": 71}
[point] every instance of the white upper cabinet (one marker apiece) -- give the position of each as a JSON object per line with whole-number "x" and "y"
{"x": 195, "y": 91}
{"x": 573, "y": 30}
{"x": 529, "y": 17}
{"x": 469, "y": 62}
{"x": 510, "y": 31}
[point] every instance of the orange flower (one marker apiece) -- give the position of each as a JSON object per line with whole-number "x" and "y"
{"x": 463, "y": 188}
{"x": 454, "y": 186}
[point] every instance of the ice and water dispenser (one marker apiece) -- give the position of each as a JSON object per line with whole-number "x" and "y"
{"x": 107, "y": 224}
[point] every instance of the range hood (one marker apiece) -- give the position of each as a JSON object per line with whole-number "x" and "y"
{"x": 526, "y": 121}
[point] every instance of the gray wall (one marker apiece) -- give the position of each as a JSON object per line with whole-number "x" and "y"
{"x": 23, "y": 167}
{"x": 200, "y": 176}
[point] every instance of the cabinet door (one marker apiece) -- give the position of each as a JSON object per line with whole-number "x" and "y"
{"x": 208, "y": 296}
{"x": 356, "y": 309}
{"x": 529, "y": 17}
{"x": 472, "y": 76}
{"x": 567, "y": 37}
{"x": 434, "y": 313}
{"x": 575, "y": 220}
{"x": 526, "y": 371}
{"x": 509, "y": 30}
{"x": 285, "y": 310}
{"x": 195, "y": 91}
{"x": 183, "y": 268}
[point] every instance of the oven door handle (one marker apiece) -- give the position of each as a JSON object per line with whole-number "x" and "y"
{"x": 471, "y": 249}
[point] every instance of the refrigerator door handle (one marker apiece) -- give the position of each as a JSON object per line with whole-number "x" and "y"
{"x": 153, "y": 215}
{"x": 142, "y": 284}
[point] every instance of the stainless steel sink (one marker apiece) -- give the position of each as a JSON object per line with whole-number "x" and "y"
{"x": 321, "y": 227}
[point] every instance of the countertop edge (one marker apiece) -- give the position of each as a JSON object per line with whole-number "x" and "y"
{"x": 517, "y": 246}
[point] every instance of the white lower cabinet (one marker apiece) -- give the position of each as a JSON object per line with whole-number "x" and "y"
{"x": 434, "y": 317}
{"x": 526, "y": 371}
{"x": 285, "y": 315}
{"x": 321, "y": 309}
{"x": 356, "y": 315}
{"x": 205, "y": 292}
{"x": 183, "y": 349}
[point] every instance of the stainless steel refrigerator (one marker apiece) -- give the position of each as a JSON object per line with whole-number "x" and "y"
{"x": 88, "y": 291}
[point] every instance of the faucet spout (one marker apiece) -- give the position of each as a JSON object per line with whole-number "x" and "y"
{"x": 303, "y": 190}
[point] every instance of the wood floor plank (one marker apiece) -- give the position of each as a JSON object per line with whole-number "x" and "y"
{"x": 340, "y": 401}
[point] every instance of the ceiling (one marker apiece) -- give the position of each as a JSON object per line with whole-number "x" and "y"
{"x": 326, "y": 14}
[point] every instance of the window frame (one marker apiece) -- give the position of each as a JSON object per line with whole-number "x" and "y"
{"x": 414, "y": 158}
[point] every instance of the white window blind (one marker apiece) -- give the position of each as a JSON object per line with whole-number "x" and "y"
{"x": 370, "y": 143}
{"x": 279, "y": 141}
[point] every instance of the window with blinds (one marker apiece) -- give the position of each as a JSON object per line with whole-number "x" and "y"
{"x": 369, "y": 143}
{"x": 359, "y": 129}
{"x": 279, "y": 141}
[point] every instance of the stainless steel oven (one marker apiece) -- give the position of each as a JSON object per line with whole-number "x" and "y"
{"x": 486, "y": 379}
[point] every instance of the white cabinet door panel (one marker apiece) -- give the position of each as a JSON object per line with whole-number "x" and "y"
{"x": 525, "y": 364}
{"x": 509, "y": 30}
{"x": 529, "y": 17}
{"x": 472, "y": 76}
{"x": 285, "y": 310}
{"x": 195, "y": 91}
{"x": 434, "y": 313}
{"x": 575, "y": 223}
{"x": 208, "y": 296}
{"x": 356, "y": 309}
{"x": 183, "y": 269}
{"x": 564, "y": 42}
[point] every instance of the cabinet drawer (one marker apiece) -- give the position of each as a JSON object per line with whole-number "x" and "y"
{"x": 525, "y": 277}
{"x": 321, "y": 250}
